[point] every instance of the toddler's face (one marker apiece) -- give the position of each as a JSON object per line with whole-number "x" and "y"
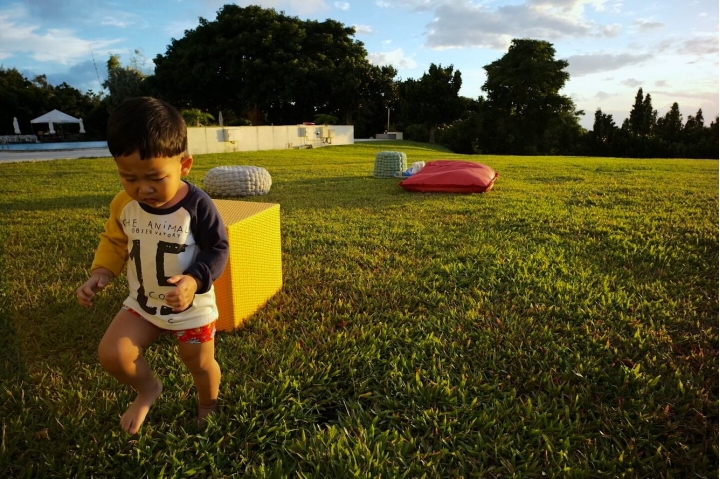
{"x": 155, "y": 182}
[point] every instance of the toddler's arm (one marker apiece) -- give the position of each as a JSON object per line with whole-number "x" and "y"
{"x": 99, "y": 278}
{"x": 211, "y": 237}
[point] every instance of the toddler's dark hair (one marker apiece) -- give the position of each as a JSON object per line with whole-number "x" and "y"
{"x": 147, "y": 125}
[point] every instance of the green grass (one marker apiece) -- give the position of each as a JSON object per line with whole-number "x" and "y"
{"x": 563, "y": 325}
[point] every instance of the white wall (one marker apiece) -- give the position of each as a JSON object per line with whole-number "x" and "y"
{"x": 227, "y": 139}
{"x": 390, "y": 135}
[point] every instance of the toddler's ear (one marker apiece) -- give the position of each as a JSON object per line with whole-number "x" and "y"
{"x": 185, "y": 164}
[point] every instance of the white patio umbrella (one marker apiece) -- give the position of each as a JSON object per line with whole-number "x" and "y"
{"x": 16, "y": 125}
{"x": 53, "y": 117}
{"x": 220, "y": 119}
{"x": 82, "y": 127}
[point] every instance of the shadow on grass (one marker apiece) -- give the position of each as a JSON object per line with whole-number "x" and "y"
{"x": 402, "y": 145}
{"x": 351, "y": 192}
{"x": 58, "y": 203}
{"x": 12, "y": 367}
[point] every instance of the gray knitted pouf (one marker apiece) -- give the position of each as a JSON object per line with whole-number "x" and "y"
{"x": 387, "y": 163}
{"x": 225, "y": 181}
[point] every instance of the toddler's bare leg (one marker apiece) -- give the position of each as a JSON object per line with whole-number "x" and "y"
{"x": 200, "y": 360}
{"x": 120, "y": 353}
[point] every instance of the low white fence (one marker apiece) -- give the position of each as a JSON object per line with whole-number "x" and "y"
{"x": 219, "y": 139}
{"x": 390, "y": 135}
{"x": 6, "y": 139}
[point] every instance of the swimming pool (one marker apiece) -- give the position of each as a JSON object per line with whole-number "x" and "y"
{"x": 65, "y": 145}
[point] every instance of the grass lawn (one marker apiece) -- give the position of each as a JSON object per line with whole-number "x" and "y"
{"x": 563, "y": 325}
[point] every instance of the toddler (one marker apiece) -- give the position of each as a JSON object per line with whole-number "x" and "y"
{"x": 172, "y": 239}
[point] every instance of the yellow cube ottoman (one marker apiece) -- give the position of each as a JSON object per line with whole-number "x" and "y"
{"x": 253, "y": 273}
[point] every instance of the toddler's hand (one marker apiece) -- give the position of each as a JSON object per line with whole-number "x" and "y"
{"x": 99, "y": 278}
{"x": 182, "y": 296}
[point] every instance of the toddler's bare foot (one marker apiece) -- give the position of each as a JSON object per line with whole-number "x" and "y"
{"x": 204, "y": 410}
{"x": 135, "y": 414}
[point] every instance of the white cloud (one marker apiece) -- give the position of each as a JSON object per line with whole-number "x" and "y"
{"x": 342, "y": 5}
{"x": 302, "y": 7}
{"x": 648, "y": 25}
{"x": 606, "y": 6}
{"x": 58, "y": 45}
{"x": 701, "y": 45}
{"x": 579, "y": 65}
{"x": 114, "y": 22}
{"x": 632, "y": 82}
{"x": 466, "y": 24}
{"x": 363, "y": 29}
{"x": 566, "y": 7}
{"x": 177, "y": 29}
{"x": 601, "y": 95}
{"x": 396, "y": 58}
{"x": 308, "y": 6}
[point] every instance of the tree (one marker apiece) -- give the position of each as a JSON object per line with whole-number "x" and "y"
{"x": 635, "y": 120}
{"x": 700, "y": 141}
{"x": 197, "y": 117}
{"x": 601, "y": 138}
{"x": 19, "y": 98}
{"x": 670, "y": 127}
{"x": 264, "y": 65}
{"x": 461, "y": 136}
{"x": 694, "y": 125}
{"x": 41, "y": 82}
{"x": 364, "y": 94}
{"x": 25, "y": 99}
{"x": 712, "y": 138}
{"x": 524, "y": 99}
{"x": 642, "y": 119}
{"x": 434, "y": 99}
{"x": 603, "y": 128}
{"x": 644, "y": 135}
{"x": 649, "y": 118}
{"x": 323, "y": 119}
{"x": 122, "y": 82}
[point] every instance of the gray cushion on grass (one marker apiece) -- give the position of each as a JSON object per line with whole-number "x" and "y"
{"x": 223, "y": 181}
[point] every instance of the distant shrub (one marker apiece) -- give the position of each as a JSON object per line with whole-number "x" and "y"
{"x": 197, "y": 117}
{"x": 323, "y": 119}
{"x": 417, "y": 133}
{"x": 460, "y": 136}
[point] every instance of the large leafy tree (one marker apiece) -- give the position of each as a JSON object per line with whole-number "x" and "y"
{"x": 527, "y": 113}
{"x": 261, "y": 64}
{"x": 434, "y": 99}
{"x": 364, "y": 93}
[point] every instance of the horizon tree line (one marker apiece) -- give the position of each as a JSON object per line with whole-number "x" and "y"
{"x": 259, "y": 66}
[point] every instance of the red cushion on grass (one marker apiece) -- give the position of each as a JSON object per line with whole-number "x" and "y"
{"x": 450, "y": 176}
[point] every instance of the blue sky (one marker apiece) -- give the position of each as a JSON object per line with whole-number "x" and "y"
{"x": 667, "y": 47}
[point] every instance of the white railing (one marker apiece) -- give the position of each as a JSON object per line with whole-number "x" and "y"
{"x": 7, "y": 139}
